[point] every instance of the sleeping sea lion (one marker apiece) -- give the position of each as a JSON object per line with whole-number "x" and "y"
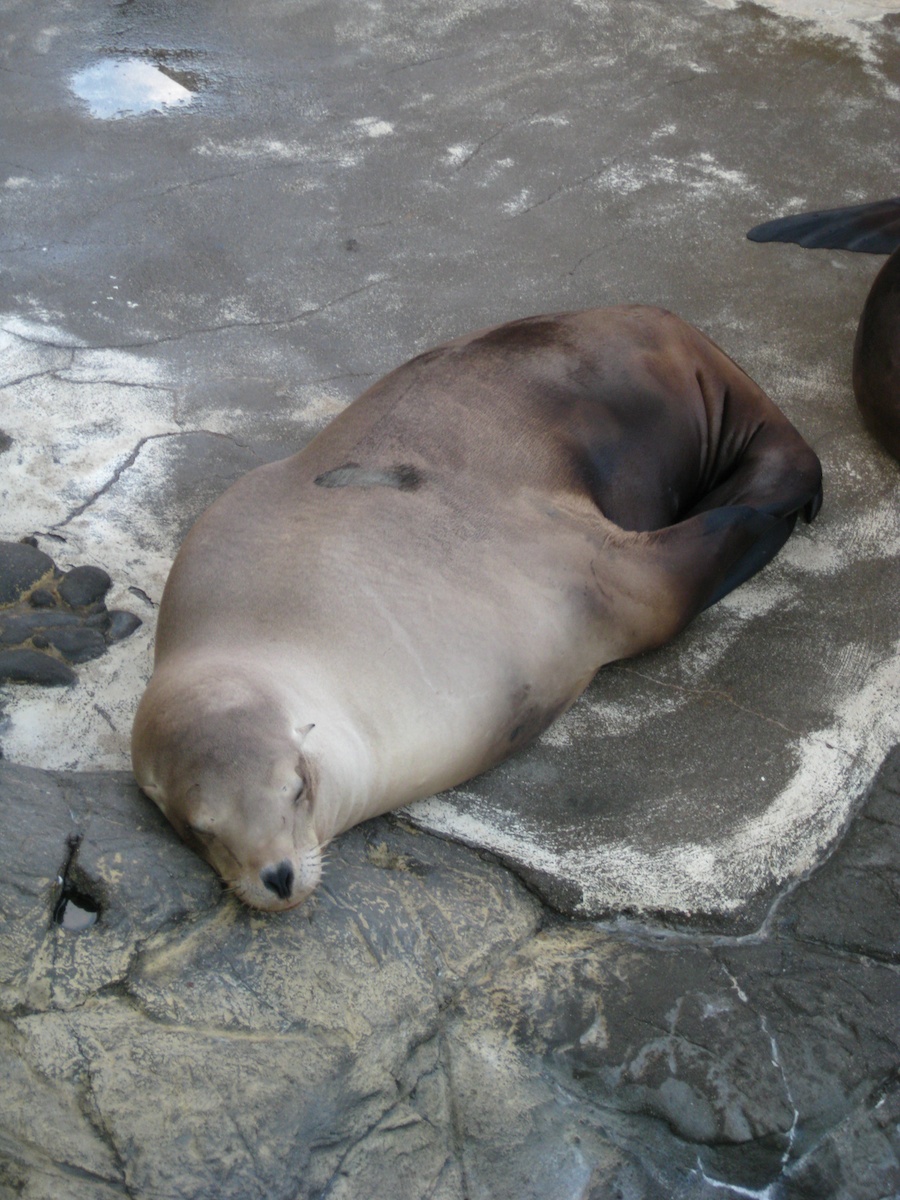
{"x": 442, "y": 570}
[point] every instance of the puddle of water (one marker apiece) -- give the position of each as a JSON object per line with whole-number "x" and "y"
{"x": 127, "y": 87}
{"x": 75, "y": 911}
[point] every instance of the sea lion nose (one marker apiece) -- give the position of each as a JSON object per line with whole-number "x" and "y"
{"x": 279, "y": 880}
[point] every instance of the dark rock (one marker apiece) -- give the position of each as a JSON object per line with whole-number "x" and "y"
{"x": 30, "y": 666}
{"x": 44, "y": 618}
{"x": 860, "y": 1157}
{"x": 84, "y": 585}
{"x": 5, "y": 441}
{"x": 18, "y": 625}
{"x": 844, "y": 903}
{"x": 424, "y": 1028}
{"x": 21, "y": 566}
{"x": 42, "y": 598}
{"x": 77, "y": 644}
{"x": 121, "y": 625}
{"x": 443, "y": 1027}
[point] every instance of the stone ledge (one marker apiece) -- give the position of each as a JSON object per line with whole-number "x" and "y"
{"x": 425, "y": 1028}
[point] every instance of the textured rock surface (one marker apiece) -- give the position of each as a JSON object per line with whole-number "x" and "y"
{"x": 426, "y": 1029}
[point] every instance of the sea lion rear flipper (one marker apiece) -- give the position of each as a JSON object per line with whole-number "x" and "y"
{"x": 871, "y": 228}
{"x": 677, "y": 572}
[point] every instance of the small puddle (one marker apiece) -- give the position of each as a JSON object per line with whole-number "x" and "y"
{"x": 75, "y": 911}
{"x": 117, "y": 87}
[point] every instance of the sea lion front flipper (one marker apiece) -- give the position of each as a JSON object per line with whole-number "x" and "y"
{"x": 669, "y": 576}
{"x": 869, "y": 228}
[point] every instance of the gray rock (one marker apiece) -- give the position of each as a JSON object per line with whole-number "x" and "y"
{"x": 844, "y": 903}
{"x": 424, "y": 1027}
{"x": 18, "y": 626}
{"x": 64, "y": 616}
{"x": 77, "y": 644}
{"x": 42, "y": 598}
{"x": 121, "y": 625}
{"x": 84, "y": 585}
{"x": 21, "y": 566}
{"x": 31, "y": 666}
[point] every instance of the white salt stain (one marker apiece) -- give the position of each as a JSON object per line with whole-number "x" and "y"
{"x": 834, "y": 765}
{"x": 518, "y": 204}
{"x": 845, "y": 18}
{"x": 247, "y": 148}
{"x": 457, "y": 155}
{"x": 76, "y": 417}
{"x": 701, "y": 174}
{"x": 374, "y": 128}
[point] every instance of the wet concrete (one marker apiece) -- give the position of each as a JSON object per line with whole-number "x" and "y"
{"x": 197, "y": 289}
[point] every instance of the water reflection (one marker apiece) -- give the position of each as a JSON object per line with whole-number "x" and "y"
{"x": 127, "y": 87}
{"x": 75, "y": 911}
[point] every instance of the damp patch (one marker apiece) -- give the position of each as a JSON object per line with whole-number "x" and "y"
{"x": 114, "y": 88}
{"x": 76, "y": 911}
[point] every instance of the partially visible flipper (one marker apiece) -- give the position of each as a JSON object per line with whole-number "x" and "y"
{"x": 870, "y": 228}
{"x": 875, "y": 229}
{"x": 766, "y": 535}
{"x": 667, "y": 577}
{"x": 876, "y": 358}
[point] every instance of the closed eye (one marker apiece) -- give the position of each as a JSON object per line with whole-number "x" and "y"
{"x": 201, "y": 835}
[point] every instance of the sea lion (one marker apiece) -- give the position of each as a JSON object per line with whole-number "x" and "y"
{"x": 441, "y": 572}
{"x": 874, "y": 229}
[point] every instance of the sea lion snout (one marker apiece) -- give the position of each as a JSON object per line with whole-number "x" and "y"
{"x": 279, "y": 879}
{"x": 278, "y": 885}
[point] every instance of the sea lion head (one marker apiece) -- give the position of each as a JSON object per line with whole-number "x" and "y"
{"x": 218, "y": 749}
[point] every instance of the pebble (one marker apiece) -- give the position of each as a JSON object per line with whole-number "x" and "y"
{"x": 42, "y": 598}
{"x": 30, "y": 666}
{"x": 77, "y": 644}
{"x": 121, "y": 625}
{"x": 21, "y": 566}
{"x": 84, "y": 585}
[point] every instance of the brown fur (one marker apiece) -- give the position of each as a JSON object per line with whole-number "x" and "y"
{"x": 442, "y": 570}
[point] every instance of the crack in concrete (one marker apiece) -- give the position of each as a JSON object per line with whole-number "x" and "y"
{"x": 203, "y": 330}
{"x": 584, "y": 258}
{"x": 719, "y": 694}
{"x": 112, "y": 481}
{"x": 132, "y": 458}
{"x": 563, "y": 190}
{"x": 74, "y": 344}
{"x": 493, "y": 137}
{"x": 53, "y": 372}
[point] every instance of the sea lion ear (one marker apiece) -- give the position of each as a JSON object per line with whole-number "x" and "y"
{"x": 302, "y": 732}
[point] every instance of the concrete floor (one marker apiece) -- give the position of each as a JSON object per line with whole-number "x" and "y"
{"x": 333, "y": 188}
